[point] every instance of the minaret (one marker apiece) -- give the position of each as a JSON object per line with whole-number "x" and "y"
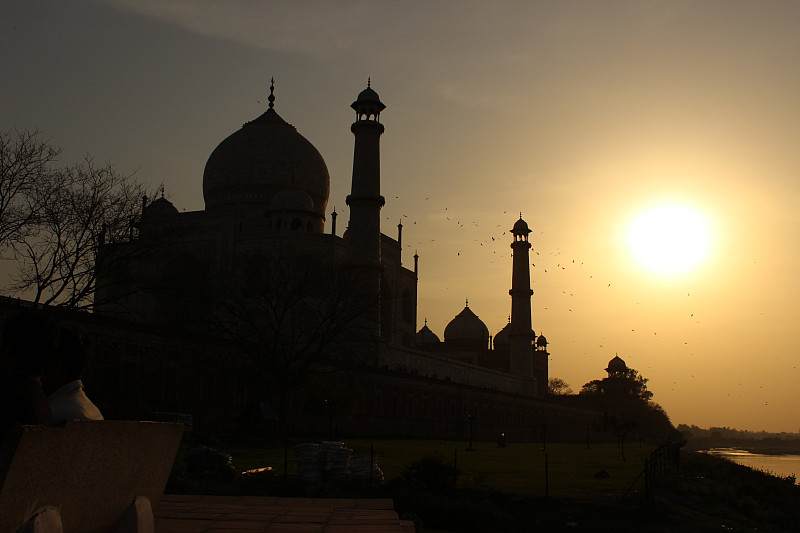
{"x": 521, "y": 334}
{"x": 365, "y": 200}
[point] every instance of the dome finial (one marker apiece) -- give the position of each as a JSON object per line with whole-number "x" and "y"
{"x": 466, "y": 302}
{"x": 271, "y": 97}
{"x": 369, "y": 81}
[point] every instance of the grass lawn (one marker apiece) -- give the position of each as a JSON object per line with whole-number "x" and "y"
{"x": 519, "y": 468}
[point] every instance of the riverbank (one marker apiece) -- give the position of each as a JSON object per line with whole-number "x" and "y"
{"x": 721, "y": 493}
{"x": 762, "y": 446}
{"x": 706, "y": 494}
{"x": 785, "y": 466}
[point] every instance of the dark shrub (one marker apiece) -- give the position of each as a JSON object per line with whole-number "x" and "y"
{"x": 431, "y": 472}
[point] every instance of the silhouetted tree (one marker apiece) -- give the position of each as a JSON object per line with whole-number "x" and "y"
{"x": 620, "y": 385}
{"x": 26, "y": 175}
{"x": 558, "y": 387}
{"x": 53, "y": 219}
{"x": 626, "y": 403}
{"x": 289, "y": 316}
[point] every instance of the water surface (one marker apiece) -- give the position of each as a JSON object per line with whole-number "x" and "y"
{"x": 778, "y": 465}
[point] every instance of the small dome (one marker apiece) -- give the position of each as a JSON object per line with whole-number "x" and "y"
{"x": 368, "y": 95}
{"x": 502, "y": 339}
{"x": 425, "y": 336}
{"x": 616, "y": 365}
{"x": 466, "y": 326}
{"x": 541, "y": 341}
{"x": 520, "y": 227}
{"x": 159, "y": 208}
{"x": 291, "y": 200}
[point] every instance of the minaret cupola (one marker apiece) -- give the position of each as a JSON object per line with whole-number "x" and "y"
{"x": 520, "y": 230}
{"x": 368, "y": 105}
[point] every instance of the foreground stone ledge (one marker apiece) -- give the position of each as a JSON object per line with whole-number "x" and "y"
{"x": 92, "y": 472}
{"x": 197, "y": 514}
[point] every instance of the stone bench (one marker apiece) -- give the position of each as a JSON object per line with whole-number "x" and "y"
{"x": 92, "y": 476}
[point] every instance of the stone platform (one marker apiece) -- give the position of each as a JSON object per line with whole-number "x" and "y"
{"x": 196, "y": 514}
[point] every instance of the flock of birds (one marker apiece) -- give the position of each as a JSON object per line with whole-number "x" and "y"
{"x": 496, "y": 242}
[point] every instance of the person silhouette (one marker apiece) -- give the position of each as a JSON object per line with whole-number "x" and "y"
{"x": 62, "y": 379}
{"x": 26, "y": 347}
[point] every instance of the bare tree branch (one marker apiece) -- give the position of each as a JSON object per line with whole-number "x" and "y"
{"x": 290, "y": 316}
{"x": 53, "y": 219}
{"x": 26, "y": 164}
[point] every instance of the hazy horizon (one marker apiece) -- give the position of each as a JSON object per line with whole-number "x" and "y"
{"x": 578, "y": 115}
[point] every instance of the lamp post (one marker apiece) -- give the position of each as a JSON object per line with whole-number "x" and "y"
{"x": 544, "y": 436}
{"x": 330, "y": 418}
{"x": 471, "y": 431}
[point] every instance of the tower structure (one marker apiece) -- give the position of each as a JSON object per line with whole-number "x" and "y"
{"x": 365, "y": 200}
{"x": 521, "y": 334}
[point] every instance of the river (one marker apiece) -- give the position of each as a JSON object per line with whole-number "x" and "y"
{"x": 779, "y": 465}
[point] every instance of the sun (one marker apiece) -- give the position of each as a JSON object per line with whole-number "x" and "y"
{"x": 669, "y": 239}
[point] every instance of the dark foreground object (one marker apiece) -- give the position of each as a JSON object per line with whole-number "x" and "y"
{"x": 89, "y": 472}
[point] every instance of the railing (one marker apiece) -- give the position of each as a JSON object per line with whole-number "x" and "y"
{"x": 664, "y": 459}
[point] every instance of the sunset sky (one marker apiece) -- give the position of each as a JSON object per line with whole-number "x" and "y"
{"x": 580, "y": 115}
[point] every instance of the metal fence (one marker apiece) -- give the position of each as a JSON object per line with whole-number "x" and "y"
{"x": 664, "y": 459}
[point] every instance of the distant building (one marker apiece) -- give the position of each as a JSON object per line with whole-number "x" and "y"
{"x": 515, "y": 349}
{"x": 266, "y": 190}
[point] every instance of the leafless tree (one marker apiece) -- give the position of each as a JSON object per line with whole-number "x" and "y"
{"x": 26, "y": 172}
{"x": 291, "y": 317}
{"x": 58, "y": 217}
